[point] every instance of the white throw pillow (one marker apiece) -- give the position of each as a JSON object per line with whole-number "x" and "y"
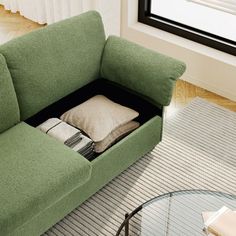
{"x": 98, "y": 117}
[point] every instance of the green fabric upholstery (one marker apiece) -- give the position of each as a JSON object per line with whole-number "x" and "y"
{"x": 35, "y": 172}
{"x": 52, "y": 62}
{"x": 104, "y": 168}
{"x": 146, "y": 72}
{"x": 42, "y": 180}
{"x": 9, "y": 110}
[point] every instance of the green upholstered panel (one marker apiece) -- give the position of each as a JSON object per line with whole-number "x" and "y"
{"x": 49, "y": 63}
{"x": 35, "y": 172}
{"x": 104, "y": 168}
{"x": 9, "y": 110}
{"x": 147, "y": 72}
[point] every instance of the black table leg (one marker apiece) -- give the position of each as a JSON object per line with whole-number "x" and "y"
{"x": 126, "y": 225}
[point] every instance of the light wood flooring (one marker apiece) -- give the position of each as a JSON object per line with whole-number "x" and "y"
{"x": 14, "y": 25}
{"x": 184, "y": 92}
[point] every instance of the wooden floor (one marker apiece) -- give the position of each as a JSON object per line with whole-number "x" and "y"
{"x": 14, "y": 25}
{"x": 184, "y": 92}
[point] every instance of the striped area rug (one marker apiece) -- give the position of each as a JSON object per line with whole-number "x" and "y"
{"x": 198, "y": 151}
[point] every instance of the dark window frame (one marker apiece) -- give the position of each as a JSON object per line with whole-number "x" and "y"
{"x": 145, "y": 16}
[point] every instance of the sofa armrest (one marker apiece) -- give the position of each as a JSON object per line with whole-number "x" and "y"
{"x": 149, "y": 73}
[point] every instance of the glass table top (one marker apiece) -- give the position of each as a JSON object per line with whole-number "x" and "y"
{"x": 175, "y": 214}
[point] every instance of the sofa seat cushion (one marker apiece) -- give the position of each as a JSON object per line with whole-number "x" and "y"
{"x": 35, "y": 172}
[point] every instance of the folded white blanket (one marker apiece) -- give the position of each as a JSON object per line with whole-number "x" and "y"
{"x": 58, "y": 129}
{"x": 69, "y": 135}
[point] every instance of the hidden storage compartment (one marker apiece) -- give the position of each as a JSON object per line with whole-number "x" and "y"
{"x": 107, "y": 88}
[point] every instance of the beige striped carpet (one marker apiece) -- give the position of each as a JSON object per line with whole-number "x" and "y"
{"x": 198, "y": 151}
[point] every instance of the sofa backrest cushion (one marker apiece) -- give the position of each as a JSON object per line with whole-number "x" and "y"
{"x": 54, "y": 61}
{"x": 9, "y": 110}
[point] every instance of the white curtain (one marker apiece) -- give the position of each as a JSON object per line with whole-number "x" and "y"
{"x": 50, "y": 11}
{"x": 47, "y": 11}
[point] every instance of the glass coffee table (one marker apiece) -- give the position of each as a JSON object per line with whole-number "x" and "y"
{"x": 174, "y": 214}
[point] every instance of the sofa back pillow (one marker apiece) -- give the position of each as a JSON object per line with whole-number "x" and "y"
{"x": 98, "y": 117}
{"x": 54, "y": 61}
{"x": 9, "y": 110}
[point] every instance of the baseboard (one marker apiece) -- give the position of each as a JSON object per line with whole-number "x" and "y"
{"x": 209, "y": 86}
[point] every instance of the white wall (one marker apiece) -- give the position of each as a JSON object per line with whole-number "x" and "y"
{"x": 206, "y": 67}
{"x": 110, "y": 11}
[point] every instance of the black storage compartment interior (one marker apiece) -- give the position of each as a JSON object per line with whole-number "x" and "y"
{"x": 109, "y": 89}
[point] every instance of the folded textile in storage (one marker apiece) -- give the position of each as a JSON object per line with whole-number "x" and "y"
{"x": 83, "y": 144}
{"x": 116, "y": 135}
{"x": 69, "y": 135}
{"x": 58, "y": 129}
{"x": 103, "y": 120}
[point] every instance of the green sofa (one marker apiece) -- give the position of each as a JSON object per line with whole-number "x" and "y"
{"x": 42, "y": 180}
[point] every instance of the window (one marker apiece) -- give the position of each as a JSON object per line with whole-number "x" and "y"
{"x": 210, "y": 22}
